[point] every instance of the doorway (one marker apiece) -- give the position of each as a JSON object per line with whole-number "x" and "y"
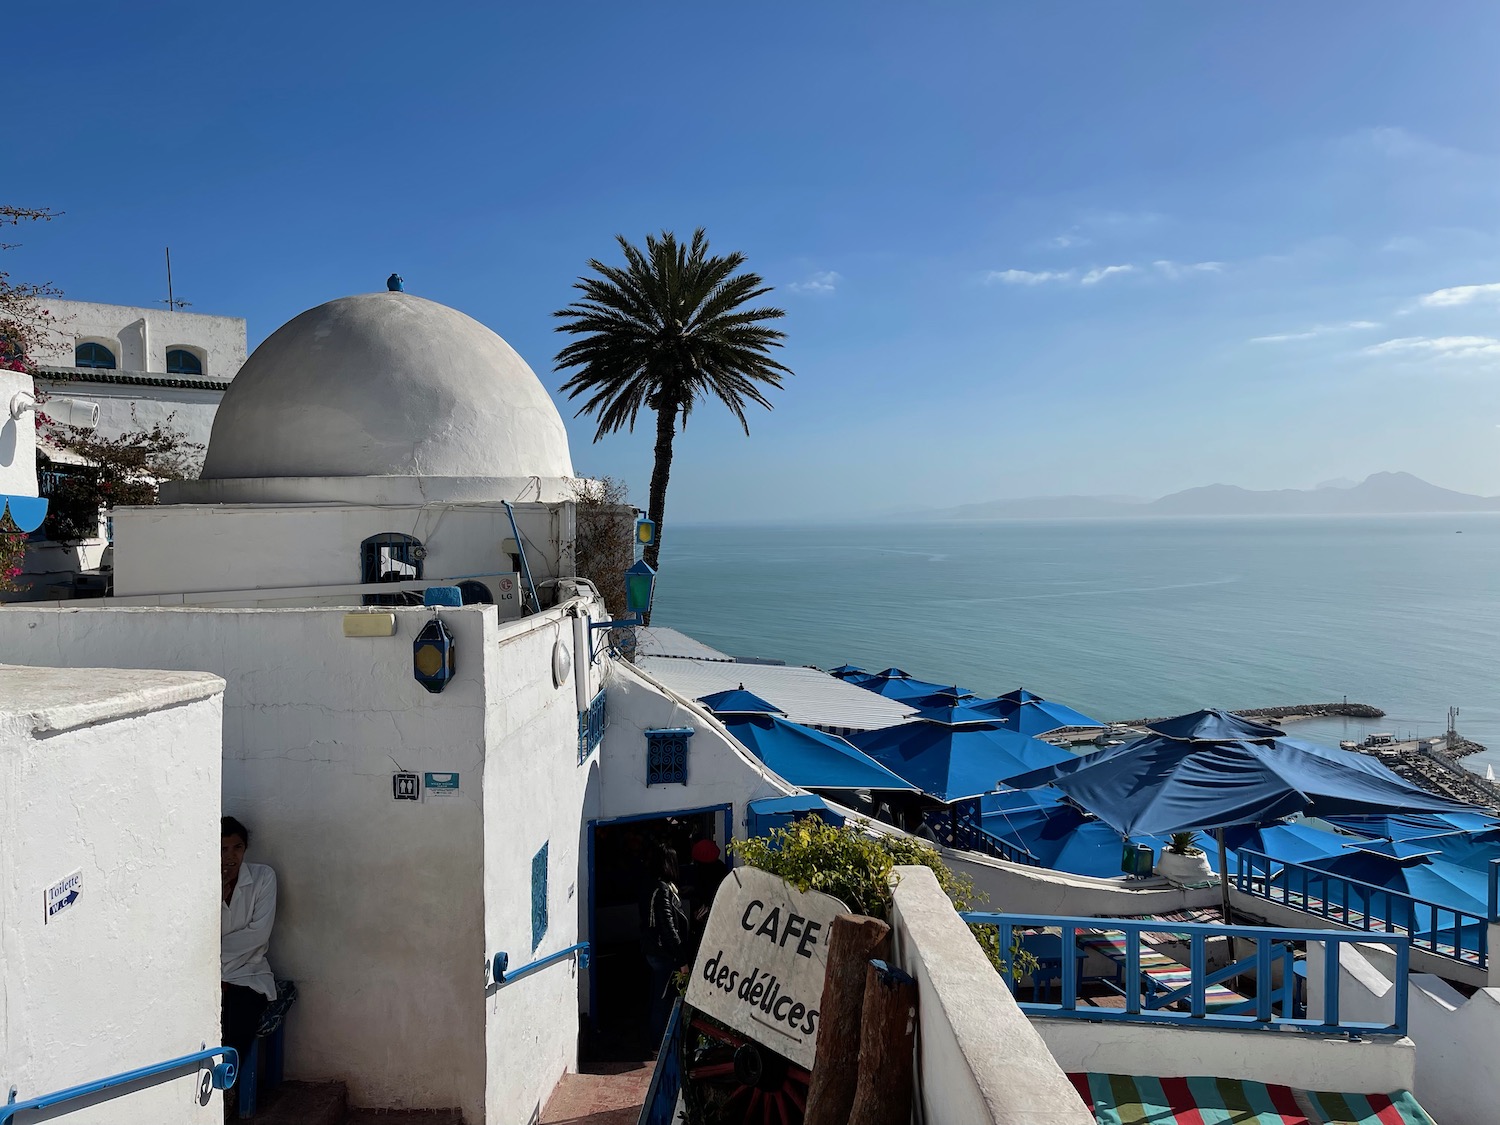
{"x": 620, "y": 877}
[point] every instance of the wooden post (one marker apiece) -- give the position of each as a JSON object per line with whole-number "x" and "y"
{"x": 853, "y": 940}
{"x": 887, "y": 1039}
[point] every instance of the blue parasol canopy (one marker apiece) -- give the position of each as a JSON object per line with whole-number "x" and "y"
{"x": 901, "y": 688}
{"x": 953, "y": 713}
{"x": 1213, "y": 726}
{"x": 1412, "y": 873}
{"x": 738, "y": 701}
{"x": 844, "y": 670}
{"x": 1057, "y": 834}
{"x": 1039, "y": 716}
{"x": 809, "y": 758}
{"x": 952, "y": 763}
{"x": 1294, "y": 843}
{"x": 1162, "y": 784}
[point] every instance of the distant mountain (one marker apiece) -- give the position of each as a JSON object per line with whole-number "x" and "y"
{"x": 1379, "y": 494}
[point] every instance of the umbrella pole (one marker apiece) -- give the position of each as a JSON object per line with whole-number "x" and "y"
{"x": 1224, "y": 887}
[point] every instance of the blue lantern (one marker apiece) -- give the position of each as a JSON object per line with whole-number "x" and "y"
{"x": 645, "y": 532}
{"x": 432, "y": 656}
{"x": 640, "y": 582}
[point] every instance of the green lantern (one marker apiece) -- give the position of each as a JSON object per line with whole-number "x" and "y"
{"x": 640, "y": 581}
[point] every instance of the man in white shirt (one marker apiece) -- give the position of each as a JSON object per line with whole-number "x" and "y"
{"x": 246, "y": 914}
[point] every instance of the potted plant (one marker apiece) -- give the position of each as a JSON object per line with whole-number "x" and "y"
{"x": 1182, "y": 862}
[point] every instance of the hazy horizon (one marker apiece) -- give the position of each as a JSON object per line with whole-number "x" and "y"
{"x": 1092, "y": 249}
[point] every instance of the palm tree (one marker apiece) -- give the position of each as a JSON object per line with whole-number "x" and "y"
{"x": 665, "y": 331}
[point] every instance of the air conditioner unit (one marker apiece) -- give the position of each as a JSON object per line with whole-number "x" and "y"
{"x": 501, "y": 590}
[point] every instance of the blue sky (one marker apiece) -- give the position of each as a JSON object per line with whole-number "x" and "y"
{"x": 1024, "y": 249}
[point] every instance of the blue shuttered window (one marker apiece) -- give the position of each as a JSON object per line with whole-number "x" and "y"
{"x": 591, "y": 728}
{"x": 667, "y": 756}
{"x": 538, "y": 897}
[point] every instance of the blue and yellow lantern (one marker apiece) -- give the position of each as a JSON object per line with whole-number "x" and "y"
{"x": 432, "y": 656}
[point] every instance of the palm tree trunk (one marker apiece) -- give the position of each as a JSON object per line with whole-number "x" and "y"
{"x": 666, "y": 431}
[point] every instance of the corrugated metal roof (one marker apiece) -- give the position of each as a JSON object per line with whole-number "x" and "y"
{"x": 659, "y": 641}
{"x": 807, "y": 695}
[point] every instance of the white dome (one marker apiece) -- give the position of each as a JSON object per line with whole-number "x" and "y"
{"x": 386, "y": 385}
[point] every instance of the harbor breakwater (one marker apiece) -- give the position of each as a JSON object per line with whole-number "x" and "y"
{"x": 1291, "y": 711}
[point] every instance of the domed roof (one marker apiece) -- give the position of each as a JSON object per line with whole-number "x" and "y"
{"x": 386, "y": 385}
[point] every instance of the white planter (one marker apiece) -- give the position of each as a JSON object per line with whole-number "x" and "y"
{"x": 1184, "y": 870}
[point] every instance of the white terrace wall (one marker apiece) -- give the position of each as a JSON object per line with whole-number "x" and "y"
{"x": 114, "y": 775}
{"x": 979, "y": 1060}
{"x": 194, "y": 548}
{"x": 1019, "y": 889}
{"x": 1456, "y": 1079}
{"x": 17, "y": 439}
{"x": 381, "y": 912}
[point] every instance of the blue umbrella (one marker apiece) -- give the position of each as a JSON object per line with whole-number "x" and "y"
{"x": 738, "y": 701}
{"x": 1022, "y": 711}
{"x": 845, "y": 670}
{"x": 1057, "y": 834}
{"x": 809, "y": 758}
{"x": 953, "y": 714}
{"x": 952, "y": 762}
{"x": 1162, "y": 784}
{"x": 1398, "y": 826}
{"x": 900, "y": 688}
{"x": 1293, "y": 843}
{"x": 1213, "y": 726}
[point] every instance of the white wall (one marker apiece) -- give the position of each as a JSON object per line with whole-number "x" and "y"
{"x": 117, "y": 776}
{"x": 381, "y": 912}
{"x": 17, "y": 439}
{"x": 195, "y": 548}
{"x": 1019, "y": 889}
{"x": 1375, "y": 1065}
{"x": 1455, "y": 1080}
{"x": 535, "y": 792}
{"x": 141, "y": 337}
{"x": 126, "y": 407}
{"x": 979, "y": 1059}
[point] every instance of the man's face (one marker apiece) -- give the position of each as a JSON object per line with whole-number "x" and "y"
{"x": 231, "y": 855}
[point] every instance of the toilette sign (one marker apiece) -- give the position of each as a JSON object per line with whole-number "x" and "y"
{"x": 761, "y": 965}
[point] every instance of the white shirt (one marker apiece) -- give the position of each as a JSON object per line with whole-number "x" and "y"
{"x": 245, "y": 923}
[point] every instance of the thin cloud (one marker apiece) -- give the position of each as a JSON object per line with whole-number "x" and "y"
{"x": 1443, "y": 347}
{"x": 1067, "y": 240}
{"x": 1099, "y": 273}
{"x": 1315, "y": 331}
{"x": 1460, "y": 295}
{"x": 823, "y": 282}
{"x": 1026, "y": 277}
{"x": 1178, "y": 270}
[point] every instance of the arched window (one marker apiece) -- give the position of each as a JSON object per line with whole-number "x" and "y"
{"x": 475, "y": 593}
{"x": 180, "y": 361}
{"x": 391, "y": 557}
{"x": 90, "y": 354}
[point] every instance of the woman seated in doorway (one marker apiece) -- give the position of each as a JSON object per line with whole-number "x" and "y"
{"x": 247, "y": 911}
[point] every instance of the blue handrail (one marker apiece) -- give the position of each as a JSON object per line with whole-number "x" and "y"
{"x": 660, "y": 1107}
{"x": 1148, "y": 999}
{"x": 501, "y": 974}
{"x": 1432, "y": 926}
{"x": 221, "y": 1076}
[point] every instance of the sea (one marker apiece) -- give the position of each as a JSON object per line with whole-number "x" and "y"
{"x": 1124, "y": 619}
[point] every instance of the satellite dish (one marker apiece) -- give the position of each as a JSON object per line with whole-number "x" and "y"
{"x": 562, "y": 664}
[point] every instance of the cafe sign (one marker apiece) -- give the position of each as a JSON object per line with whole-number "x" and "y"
{"x": 761, "y": 965}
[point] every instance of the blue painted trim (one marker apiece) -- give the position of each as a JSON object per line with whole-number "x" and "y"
{"x": 630, "y": 622}
{"x": 501, "y": 974}
{"x": 222, "y": 1075}
{"x": 536, "y": 605}
{"x": 660, "y": 1106}
{"x": 1255, "y": 1015}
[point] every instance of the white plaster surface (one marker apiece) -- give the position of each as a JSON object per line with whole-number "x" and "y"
{"x": 1304, "y": 1062}
{"x": 1455, "y": 1077}
{"x": 17, "y": 439}
{"x": 117, "y": 776}
{"x": 386, "y": 384}
{"x": 1019, "y": 889}
{"x": 388, "y": 910}
{"x": 127, "y": 407}
{"x": 979, "y": 1059}
{"x": 141, "y": 337}
{"x": 199, "y": 549}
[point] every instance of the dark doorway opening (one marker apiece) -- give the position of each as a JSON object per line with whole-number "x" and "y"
{"x": 620, "y": 878}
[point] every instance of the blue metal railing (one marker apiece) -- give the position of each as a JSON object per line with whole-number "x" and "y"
{"x": 501, "y": 974}
{"x": 1148, "y": 999}
{"x": 660, "y": 1107}
{"x": 963, "y": 830}
{"x": 591, "y": 727}
{"x": 219, "y": 1076}
{"x": 1446, "y": 931}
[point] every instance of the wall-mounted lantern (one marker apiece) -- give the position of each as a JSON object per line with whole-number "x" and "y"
{"x": 645, "y": 532}
{"x": 432, "y": 654}
{"x": 640, "y": 584}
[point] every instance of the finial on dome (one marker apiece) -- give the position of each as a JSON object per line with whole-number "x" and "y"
{"x": 395, "y": 283}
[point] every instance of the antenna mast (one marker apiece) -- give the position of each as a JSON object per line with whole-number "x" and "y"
{"x": 172, "y": 302}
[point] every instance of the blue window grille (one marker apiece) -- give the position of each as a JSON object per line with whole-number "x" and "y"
{"x": 667, "y": 755}
{"x": 180, "y": 361}
{"x": 538, "y": 897}
{"x": 591, "y": 728}
{"x": 93, "y": 355}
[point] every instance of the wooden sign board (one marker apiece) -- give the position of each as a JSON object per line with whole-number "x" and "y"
{"x": 761, "y": 965}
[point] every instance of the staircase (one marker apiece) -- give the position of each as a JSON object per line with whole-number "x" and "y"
{"x": 327, "y": 1103}
{"x": 606, "y": 1094}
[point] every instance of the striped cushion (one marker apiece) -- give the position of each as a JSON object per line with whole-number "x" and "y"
{"x": 1118, "y": 1099}
{"x": 1163, "y": 973}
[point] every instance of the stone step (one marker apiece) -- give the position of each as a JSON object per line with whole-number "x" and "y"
{"x": 302, "y": 1103}
{"x": 404, "y": 1117}
{"x": 613, "y": 1098}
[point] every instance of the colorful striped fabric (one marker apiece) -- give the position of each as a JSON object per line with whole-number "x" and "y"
{"x": 1163, "y": 973}
{"x": 1118, "y": 1099}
